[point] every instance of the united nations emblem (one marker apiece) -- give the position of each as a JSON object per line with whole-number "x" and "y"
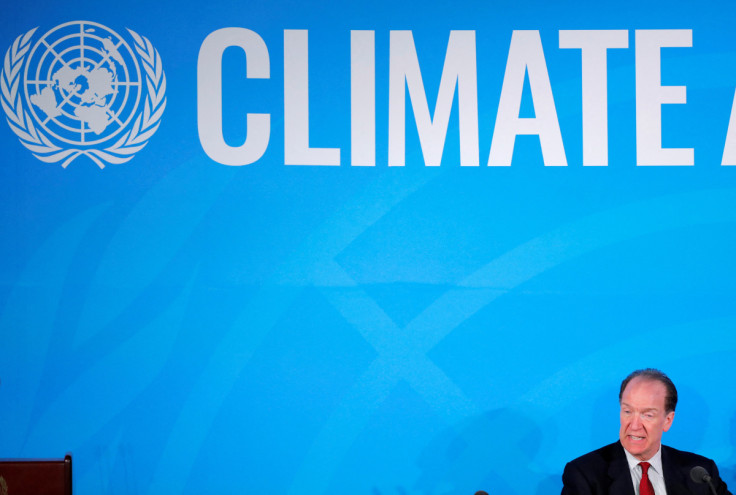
{"x": 82, "y": 89}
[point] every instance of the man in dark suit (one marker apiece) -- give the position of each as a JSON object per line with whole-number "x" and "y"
{"x": 638, "y": 464}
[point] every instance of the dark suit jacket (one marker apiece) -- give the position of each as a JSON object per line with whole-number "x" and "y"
{"x": 606, "y": 472}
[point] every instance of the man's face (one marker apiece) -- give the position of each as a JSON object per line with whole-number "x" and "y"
{"x": 643, "y": 418}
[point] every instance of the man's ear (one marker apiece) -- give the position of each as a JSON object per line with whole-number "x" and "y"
{"x": 668, "y": 420}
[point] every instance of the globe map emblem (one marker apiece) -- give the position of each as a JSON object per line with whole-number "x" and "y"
{"x": 82, "y": 83}
{"x": 82, "y": 90}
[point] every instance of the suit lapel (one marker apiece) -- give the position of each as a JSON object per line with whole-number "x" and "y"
{"x": 618, "y": 471}
{"x": 674, "y": 478}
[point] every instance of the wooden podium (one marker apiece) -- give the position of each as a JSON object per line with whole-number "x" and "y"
{"x": 36, "y": 476}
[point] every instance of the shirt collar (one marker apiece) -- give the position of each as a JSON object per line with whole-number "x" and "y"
{"x": 655, "y": 461}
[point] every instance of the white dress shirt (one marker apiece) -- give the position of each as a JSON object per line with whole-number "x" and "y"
{"x": 655, "y": 473}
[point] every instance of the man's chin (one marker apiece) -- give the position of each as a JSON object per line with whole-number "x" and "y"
{"x": 634, "y": 447}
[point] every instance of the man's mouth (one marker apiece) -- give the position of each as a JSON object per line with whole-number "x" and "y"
{"x": 635, "y": 438}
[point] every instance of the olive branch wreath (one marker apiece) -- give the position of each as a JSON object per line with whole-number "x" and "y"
{"x": 43, "y": 148}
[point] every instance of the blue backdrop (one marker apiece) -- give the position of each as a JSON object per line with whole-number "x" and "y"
{"x": 185, "y": 326}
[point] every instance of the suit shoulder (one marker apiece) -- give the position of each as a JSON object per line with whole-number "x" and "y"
{"x": 599, "y": 457}
{"x": 684, "y": 458}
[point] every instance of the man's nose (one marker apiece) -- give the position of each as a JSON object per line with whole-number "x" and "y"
{"x": 635, "y": 420}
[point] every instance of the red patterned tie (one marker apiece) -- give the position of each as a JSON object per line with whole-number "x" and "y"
{"x": 645, "y": 487}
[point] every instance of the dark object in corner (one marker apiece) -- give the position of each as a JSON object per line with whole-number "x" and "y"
{"x": 36, "y": 476}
